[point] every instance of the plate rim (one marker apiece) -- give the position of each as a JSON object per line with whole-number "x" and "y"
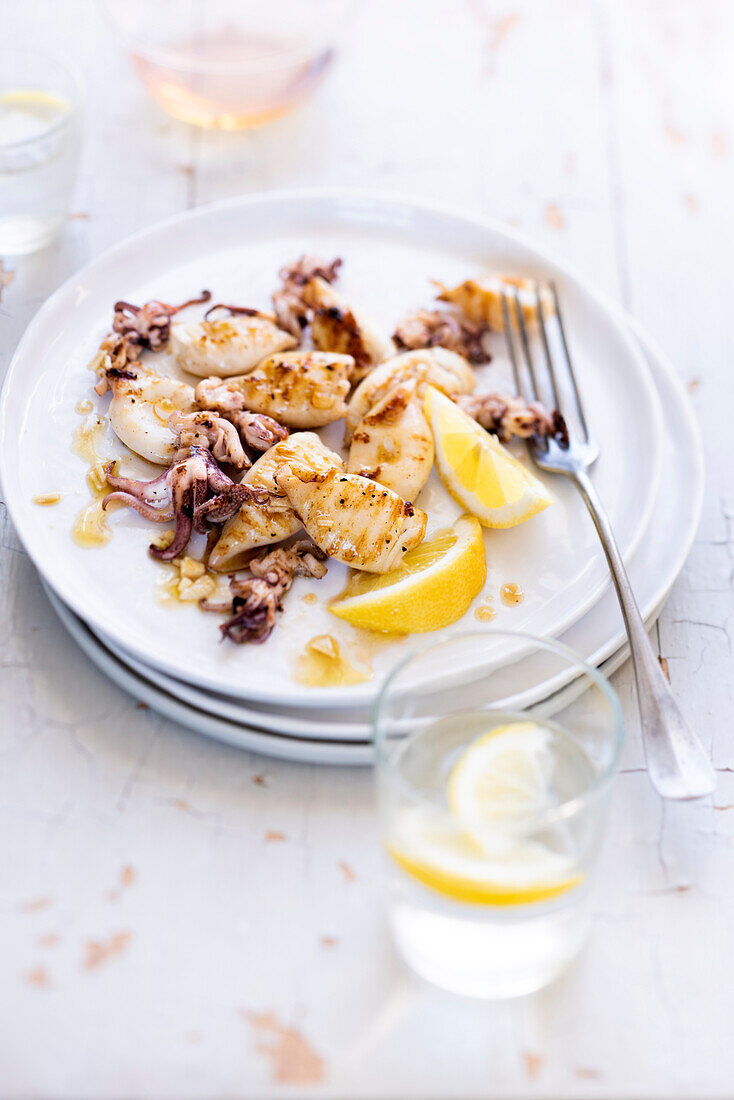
{"x": 237, "y": 734}
{"x": 328, "y": 697}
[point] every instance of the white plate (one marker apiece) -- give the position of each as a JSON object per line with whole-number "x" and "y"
{"x": 242, "y": 736}
{"x": 653, "y": 570}
{"x": 306, "y": 750}
{"x": 390, "y": 250}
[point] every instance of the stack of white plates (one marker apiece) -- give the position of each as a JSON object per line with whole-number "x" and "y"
{"x": 649, "y": 473}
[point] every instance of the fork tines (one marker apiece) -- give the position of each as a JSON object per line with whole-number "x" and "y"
{"x": 535, "y": 382}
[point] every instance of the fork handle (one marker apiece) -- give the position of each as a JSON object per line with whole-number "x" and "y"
{"x": 676, "y": 762}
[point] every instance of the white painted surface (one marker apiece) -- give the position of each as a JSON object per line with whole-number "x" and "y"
{"x": 604, "y": 129}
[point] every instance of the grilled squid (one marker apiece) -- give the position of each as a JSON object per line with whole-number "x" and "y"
{"x": 179, "y": 494}
{"x": 439, "y": 367}
{"x": 506, "y": 416}
{"x": 393, "y": 443}
{"x": 337, "y": 326}
{"x": 228, "y": 345}
{"x": 256, "y": 524}
{"x": 301, "y": 389}
{"x": 142, "y": 403}
{"x": 480, "y": 299}
{"x": 430, "y": 328}
{"x": 211, "y": 432}
{"x": 225, "y": 437}
{"x": 257, "y": 599}
{"x": 149, "y": 325}
{"x": 353, "y": 519}
{"x": 307, "y": 297}
{"x": 291, "y": 309}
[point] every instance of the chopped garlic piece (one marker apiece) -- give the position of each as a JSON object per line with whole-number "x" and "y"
{"x": 191, "y": 568}
{"x": 192, "y": 591}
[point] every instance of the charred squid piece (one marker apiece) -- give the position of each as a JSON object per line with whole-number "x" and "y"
{"x": 149, "y": 325}
{"x": 114, "y": 356}
{"x": 230, "y": 340}
{"x": 110, "y": 369}
{"x": 353, "y": 519}
{"x": 301, "y": 389}
{"x": 256, "y": 599}
{"x": 429, "y": 328}
{"x": 152, "y": 499}
{"x": 393, "y": 443}
{"x": 337, "y": 326}
{"x": 308, "y": 267}
{"x": 257, "y": 430}
{"x": 227, "y": 502}
{"x": 506, "y": 416}
{"x": 188, "y": 489}
{"x": 448, "y": 371}
{"x": 255, "y": 527}
{"x": 481, "y": 299}
{"x": 211, "y": 432}
{"x": 142, "y": 401}
{"x": 291, "y": 309}
{"x": 217, "y": 480}
{"x": 240, "y": 311}
{"x": 177, "y": 494}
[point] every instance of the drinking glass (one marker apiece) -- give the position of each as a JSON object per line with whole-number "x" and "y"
{"x": 40, "y": 135}
{"x": 494, "y": 756}
{"x": 228, "y": 64}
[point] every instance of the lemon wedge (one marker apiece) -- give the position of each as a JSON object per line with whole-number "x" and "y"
{"x": 478, "y": 471}
{"x": 439, "y": 855}
{"x": 480, "y": 851}
{"x": 34, "y": 98}
{"x": 431, "y": 588}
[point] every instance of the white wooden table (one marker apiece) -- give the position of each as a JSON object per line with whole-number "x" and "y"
{"x": 187, "y": 921}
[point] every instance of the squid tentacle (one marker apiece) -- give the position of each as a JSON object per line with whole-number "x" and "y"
{"x": 149, "y": 325}
{"x": 151, "y": 492}
{"x": 216, "y": 479}
{"x": 184, "y": 492}
{"x": 257, "y": 599}
{"x": 181, "y": 494}
{"x": 226, "y": 503}
{"x": 211, "y": 432}
{"x": 258, "y": 431}
{"x": 244, "y": 311}
{"x": 157, "y": 515}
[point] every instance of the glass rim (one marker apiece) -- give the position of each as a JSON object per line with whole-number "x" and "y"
{"x": 267, "y": 61}
{"x": 561, "y": 810}
{"x": 77, "y": 84}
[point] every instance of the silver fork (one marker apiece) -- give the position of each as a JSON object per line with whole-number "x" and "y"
{"x": 676, "y": 762}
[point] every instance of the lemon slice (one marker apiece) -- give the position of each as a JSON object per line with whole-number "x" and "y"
{"x": 439, "y": 855}
{"x": 503, "y": 775}
{"x": 432, "y": 587}
{"x": 478, "y": 471}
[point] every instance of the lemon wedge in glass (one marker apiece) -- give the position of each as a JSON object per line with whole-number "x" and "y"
{"x": 431, "y": 588}
{"x": 480, "y": 852}
{"x": 504, "y": 775}
{"x": 478, "y": 471}
{"x": 441, "y": 856}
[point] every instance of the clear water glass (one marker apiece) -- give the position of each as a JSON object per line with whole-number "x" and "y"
{"x": 494, "y": 753}
{"x": 40, "y": 134}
